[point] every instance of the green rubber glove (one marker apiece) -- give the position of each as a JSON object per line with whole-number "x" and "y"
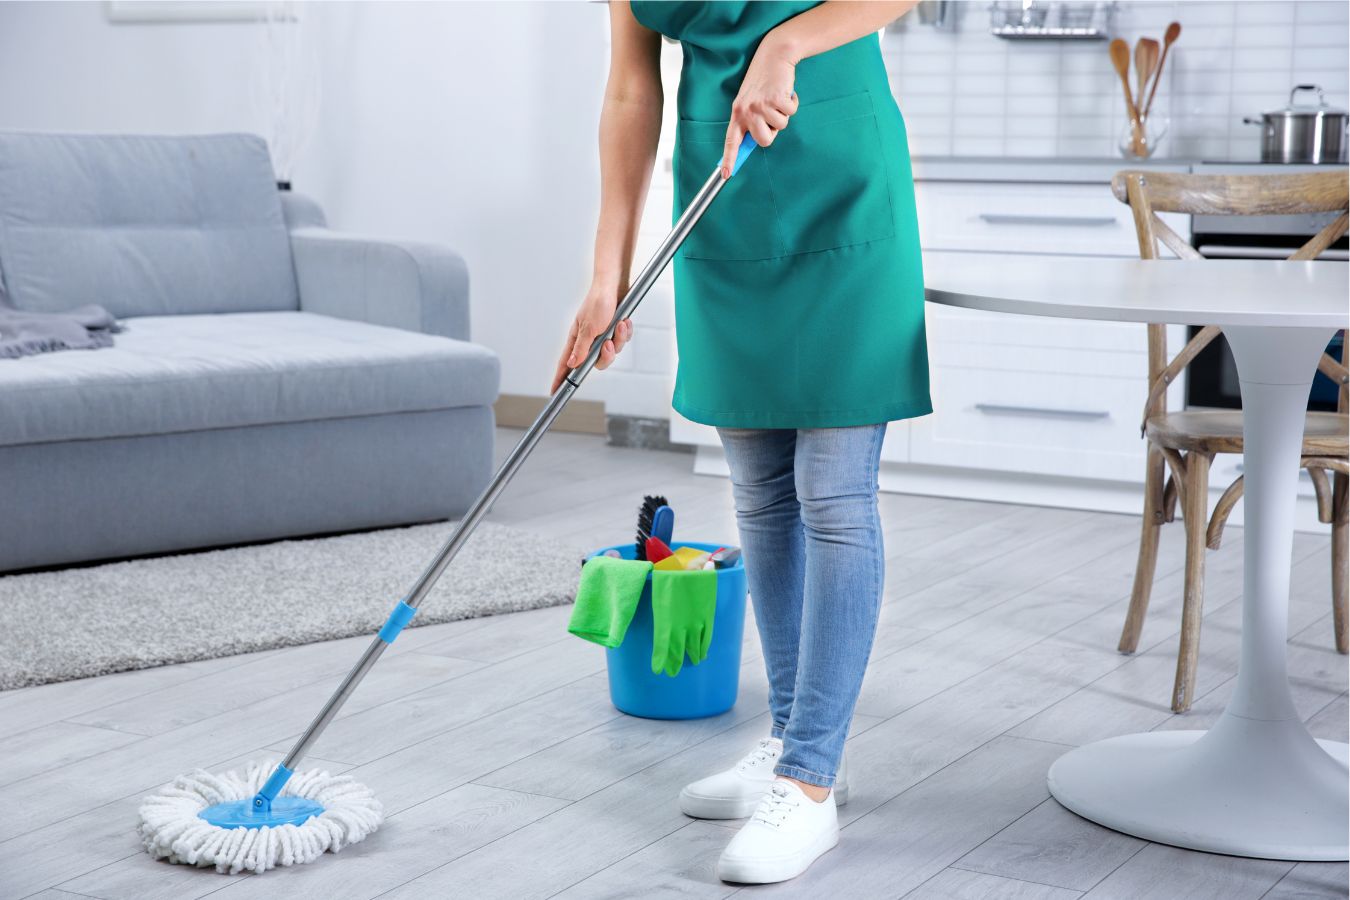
{"x": 683, "y": 606}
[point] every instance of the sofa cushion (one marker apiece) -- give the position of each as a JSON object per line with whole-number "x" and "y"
{"x": 188, "y": 373}
{"x": 142, "y": 225}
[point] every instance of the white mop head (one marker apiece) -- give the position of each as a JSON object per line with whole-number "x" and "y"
{"x": 171, "y": 829}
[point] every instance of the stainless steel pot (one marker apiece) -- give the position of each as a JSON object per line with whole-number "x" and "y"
{"x": 1303, "y": 134}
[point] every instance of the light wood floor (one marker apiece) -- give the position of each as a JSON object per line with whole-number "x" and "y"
{"x": 506, "y": 772}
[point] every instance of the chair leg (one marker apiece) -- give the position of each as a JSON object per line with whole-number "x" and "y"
{"x": 1154, "y": 515}
{"x": 1340, "y": 552}
{"x": 1195, "y": 502}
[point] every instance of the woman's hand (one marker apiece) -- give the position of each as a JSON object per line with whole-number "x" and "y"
{"x": 593, "y": 317}
{"x": 765, "y": 101}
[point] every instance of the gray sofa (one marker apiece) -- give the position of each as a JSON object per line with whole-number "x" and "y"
{"x": 274, "y": 379}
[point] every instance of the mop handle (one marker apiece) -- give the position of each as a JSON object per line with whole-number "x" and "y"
{"x": 407, "y": 607}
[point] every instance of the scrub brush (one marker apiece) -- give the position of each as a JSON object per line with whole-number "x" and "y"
{"x": 655, "y": 519}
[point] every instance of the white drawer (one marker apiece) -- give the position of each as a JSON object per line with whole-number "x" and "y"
{"x": 993, "y": 331}
{"x": 1028, "y": 218}
{"x": 1046, "y": 423}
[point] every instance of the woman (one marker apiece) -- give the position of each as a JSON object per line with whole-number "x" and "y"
{"x": 799, "y": 328}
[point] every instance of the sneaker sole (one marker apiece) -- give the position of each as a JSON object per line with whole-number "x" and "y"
{"x": 700, "y": 807}
{"x": 770, "y": 871}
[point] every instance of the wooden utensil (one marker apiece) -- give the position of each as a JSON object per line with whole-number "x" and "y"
{"x": 1120, "y": 58}
{"x": 1173, "y": 32}
{"x": 1145, "y": 59}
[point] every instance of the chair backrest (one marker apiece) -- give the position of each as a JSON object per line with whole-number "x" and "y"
{"x": 142, "y": 225}
{"x": 1149, "y": 193}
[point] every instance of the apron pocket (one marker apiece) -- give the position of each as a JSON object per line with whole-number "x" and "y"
{"x": 829, "y": 178}
{"x": 742, "y": 222}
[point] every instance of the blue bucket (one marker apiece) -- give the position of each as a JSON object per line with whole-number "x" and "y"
{"x": 706, "y": 689}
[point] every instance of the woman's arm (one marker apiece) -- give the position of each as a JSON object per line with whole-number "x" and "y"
{"x": 766, "y": 99}
{"x": 630, "y": 125}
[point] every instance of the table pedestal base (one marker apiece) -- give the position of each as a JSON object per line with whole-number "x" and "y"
{"x": 1216, "y": 790}
{"x": 1257, "y": 783}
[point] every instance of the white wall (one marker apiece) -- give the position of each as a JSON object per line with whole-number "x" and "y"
{"x": 472, "y": 124}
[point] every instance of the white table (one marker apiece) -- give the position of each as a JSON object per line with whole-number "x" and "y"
{"x": 1257, "y": 783}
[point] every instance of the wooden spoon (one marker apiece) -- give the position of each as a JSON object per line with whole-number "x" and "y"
{"x": 1120, "y": 58}
{"x": 1173, "y": 32}
{"x": 1145, "y": 59}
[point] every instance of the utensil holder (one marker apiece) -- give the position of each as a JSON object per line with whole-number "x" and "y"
{"x": 1140, "y": 140}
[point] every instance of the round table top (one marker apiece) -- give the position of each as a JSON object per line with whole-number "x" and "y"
{"x": 1258, "y": 292}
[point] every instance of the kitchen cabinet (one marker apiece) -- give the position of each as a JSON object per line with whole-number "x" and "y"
{"x": 1077, "y": 219}
{"x": 1049, "y": 397}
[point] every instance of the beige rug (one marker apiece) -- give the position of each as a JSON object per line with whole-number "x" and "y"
{"x": 79, "y": 622}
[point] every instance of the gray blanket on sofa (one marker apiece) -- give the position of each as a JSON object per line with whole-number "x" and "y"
{"x": 83, "y": 328}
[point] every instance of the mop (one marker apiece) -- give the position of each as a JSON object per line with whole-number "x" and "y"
{"x": 272, "y": 816}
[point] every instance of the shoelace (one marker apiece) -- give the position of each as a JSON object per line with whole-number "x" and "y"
{"x": 764, "y": 752}
{"x": 775, "y": 806}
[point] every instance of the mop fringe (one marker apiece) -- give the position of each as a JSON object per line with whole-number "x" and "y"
{"x": 172, "y": 830}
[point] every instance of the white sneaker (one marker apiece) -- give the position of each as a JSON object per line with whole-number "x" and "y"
{"x": 735, "y": 793}
{"x": 787, "y": 833}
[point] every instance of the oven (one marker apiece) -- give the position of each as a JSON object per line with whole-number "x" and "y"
{"x": 1211, "y": 379}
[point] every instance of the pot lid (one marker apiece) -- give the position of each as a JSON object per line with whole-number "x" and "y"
{"x": 1295, "y": 109}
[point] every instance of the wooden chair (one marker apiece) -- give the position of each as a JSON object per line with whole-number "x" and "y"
{"x": 1185, "y": 443}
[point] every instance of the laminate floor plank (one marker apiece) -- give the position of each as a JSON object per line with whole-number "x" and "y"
{"x": 52, "y": 746}
{"x": 1052, "y": 846}
{"x": 1159, "y": 872}
{"x": 1312, "y": 881}
{"x": 411, "y": 843}
{"x": 683, "y": 864}
{"x": 959, "y": 884}
{"x": 425, "y": 711}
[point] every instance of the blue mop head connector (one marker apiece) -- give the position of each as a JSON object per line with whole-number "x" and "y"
{"x": 747, "y": 147}
{"x": 265, "y": 809}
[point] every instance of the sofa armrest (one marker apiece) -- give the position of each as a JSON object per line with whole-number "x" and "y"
{"x": 403, "y": 284}
{"x": 301, "y": 211}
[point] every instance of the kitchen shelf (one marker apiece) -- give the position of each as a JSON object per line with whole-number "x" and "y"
{"x": 1049, "y": 32}
{"x": 1040, "y": 21}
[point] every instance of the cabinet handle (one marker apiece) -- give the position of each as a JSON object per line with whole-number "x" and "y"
{"x": 996, "y": 409}
{"x": 1023, "y": 219}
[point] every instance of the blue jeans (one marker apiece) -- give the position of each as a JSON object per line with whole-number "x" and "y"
{"x": 810, "y": 532}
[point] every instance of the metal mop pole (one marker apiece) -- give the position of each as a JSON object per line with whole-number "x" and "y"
{"x": 407, "y": 607}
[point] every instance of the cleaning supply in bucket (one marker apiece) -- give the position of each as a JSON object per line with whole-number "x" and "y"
{"x": 655, "y": 519}
{"x": 683, "y": 558}
{"x": 657, "y": 550}
{"x": 684, "y": 603}
{"x": 606, "y": 598}
{"x": 725, "y": 557}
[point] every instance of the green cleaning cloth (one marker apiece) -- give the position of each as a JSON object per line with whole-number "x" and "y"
{"x": 683, "y": 606}
{"x": 606, "y": 598}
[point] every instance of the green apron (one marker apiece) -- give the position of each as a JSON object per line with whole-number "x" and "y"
{"x": 799, "y": 295}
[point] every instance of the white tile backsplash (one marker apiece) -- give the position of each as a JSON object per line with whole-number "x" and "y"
{"x": 966, "y": 92}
